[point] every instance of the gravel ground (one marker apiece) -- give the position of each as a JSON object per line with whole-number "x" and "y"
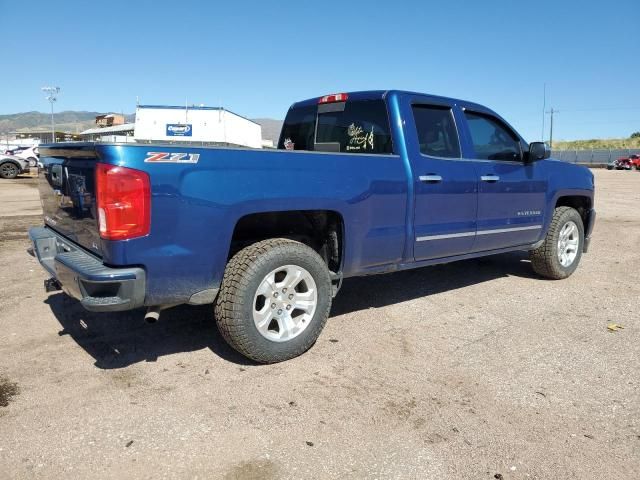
{"x": 476, "y": 369}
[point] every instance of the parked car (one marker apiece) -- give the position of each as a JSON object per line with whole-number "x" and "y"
{"x": 6, "y": 148}
{"x": 622, "y": 163}
{"x": 362, "y": 183}
{"x": 634, "y": 160}
{"x": 29, "y": 153}
{"x": 11, "y": 166}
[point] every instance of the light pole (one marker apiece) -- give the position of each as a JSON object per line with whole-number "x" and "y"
{"x": 52, "y": 96}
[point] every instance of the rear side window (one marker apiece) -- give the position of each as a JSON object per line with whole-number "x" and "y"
{"x": 437, "y": 134}
{"x": 299, "y": 128}
{"x": 491, "y": 139}
{"x": 348, "y": 127}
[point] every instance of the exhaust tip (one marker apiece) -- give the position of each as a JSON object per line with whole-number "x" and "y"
{"x": 152, "y": 315}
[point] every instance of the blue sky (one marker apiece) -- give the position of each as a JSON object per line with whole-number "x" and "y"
{"x": 256, "y": 58}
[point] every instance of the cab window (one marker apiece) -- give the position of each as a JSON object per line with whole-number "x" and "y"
{"x": 437, "y": 134}
{"x": 492, "y": 140}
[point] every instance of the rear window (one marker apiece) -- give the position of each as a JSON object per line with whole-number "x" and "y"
{"x": 349, "y": 127}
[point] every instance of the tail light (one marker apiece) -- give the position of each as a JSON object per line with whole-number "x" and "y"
{"x": 123, "y": 202}
{"x": 333, "y": 98}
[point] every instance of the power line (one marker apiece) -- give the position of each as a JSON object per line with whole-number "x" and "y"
{"x": 599, "y": 109}
{"x": 607, "y": 122}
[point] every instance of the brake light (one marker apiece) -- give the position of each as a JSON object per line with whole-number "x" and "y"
{"x": 123, "y": 197}
{"x": 334, "y": 97}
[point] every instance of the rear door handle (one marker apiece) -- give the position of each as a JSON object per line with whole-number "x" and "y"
{"x": 430, "y": 178}
{"x": 490, "y": 178}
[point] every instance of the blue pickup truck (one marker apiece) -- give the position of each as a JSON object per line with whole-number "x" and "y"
{"x": 361, "y": 183}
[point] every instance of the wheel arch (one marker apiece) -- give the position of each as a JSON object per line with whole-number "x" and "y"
{"x": 582, "y": 203}
{"x": 322, "y": 230}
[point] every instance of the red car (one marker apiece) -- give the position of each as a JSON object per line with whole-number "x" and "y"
{"x": 625, "y": 163}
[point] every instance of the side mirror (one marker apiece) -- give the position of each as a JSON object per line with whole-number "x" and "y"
{"x": 538, "y": 151}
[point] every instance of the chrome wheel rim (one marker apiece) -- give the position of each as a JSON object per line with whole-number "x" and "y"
{"x": 285, "y": 303}
{"x": 568, "y": 243}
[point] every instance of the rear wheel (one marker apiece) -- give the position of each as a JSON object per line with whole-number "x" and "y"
{"x": 559, "y": 255}
{"x": 274, "y": 300}
{"x": 8, "y": 170}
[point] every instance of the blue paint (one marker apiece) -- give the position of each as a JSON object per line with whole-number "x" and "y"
{"x": 383, "y": 203}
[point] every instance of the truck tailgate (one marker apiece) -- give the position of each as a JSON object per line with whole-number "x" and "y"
{"x": 67, "y": 192}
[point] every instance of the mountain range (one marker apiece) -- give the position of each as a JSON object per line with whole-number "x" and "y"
{"x": 76, "y": 121}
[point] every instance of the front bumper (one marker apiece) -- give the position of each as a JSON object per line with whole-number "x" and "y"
{"x": 84, "y": 277}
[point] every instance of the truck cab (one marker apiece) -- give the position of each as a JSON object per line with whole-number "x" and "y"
{"x": 473, "y": 184}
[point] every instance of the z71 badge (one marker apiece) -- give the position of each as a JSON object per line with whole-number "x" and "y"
{"x": 166, "y": 157}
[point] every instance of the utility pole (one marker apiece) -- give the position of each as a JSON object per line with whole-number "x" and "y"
{"x": 52, "y": 96}
{"x": 552, "y": 111}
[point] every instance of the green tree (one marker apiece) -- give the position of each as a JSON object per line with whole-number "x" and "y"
{"x": 635, "y": 135}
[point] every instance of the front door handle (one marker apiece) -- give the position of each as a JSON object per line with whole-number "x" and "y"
{"x": 430, "y": 178}
{"x": 490, "y": 178}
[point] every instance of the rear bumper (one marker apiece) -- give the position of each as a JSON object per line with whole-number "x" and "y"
{"x": 84, "y": 277}
{"x": 591, "y": 220}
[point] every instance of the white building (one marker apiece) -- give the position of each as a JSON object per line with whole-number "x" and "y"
{"x": 116, "y": 133}
{"x": 209, "y": 125}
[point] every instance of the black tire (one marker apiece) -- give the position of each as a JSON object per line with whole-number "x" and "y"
{"x": 609, "y": 167}
{"x": 33, "y": 161}
{"x": 9, "y": 170}
{"x": 544, "y": 259}
{"x": 235, "y": 302}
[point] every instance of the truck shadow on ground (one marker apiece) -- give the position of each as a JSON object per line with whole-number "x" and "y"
{"x": 120, "y": 339}
{"x": 378, "y": 291}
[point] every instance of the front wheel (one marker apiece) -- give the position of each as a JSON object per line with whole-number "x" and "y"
{"x": 8, "y": 170}
{"x": 560, "y": 253}
{"x": 274, "y": 300}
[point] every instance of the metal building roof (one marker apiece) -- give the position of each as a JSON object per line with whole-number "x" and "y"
{"x": 125, "y": 127}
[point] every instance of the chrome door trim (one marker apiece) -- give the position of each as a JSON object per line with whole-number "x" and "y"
{"x": 506, "y": 230}
{"x": 479, "y": 232}
{"x": 442, "y": 237}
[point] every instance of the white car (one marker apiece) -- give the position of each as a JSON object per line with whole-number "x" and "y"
{"x": 29, "y": 153}
{"x": 11, "y": 167}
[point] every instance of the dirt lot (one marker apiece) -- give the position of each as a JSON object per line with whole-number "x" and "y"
{"x": 470, "y": 370}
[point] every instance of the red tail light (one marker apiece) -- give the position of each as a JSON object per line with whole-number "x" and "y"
{"x": 123, "y": 202}
{"x": 335, "y": 97}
